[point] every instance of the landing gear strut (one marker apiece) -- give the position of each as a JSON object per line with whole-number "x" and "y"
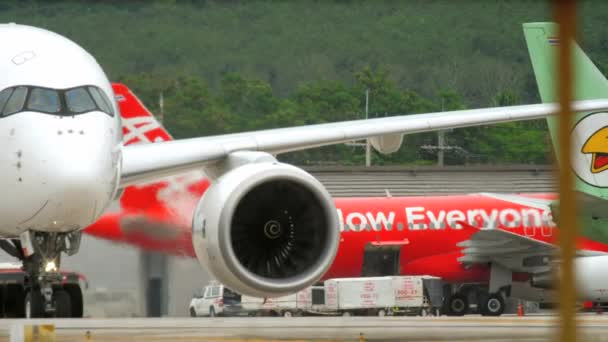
{"x": 45, "y": 294}
{"x": 492, "y": 302}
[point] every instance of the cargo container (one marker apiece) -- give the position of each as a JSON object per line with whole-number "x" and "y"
{"x": 394, "y": 295}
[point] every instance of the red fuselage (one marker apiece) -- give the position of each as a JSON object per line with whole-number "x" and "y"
{"x": 427, "y": 230}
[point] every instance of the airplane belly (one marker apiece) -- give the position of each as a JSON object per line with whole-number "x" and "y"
{"x": 57, "y": 174}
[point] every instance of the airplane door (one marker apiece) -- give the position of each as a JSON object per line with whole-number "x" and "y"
{"x": 381, "y": 260}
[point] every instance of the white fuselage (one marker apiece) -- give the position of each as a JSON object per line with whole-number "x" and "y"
{"x": 58, "y": 170}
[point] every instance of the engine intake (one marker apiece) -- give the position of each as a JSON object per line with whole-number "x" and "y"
{"x": 278, "y": 228}
{"x": 266, "y": 229}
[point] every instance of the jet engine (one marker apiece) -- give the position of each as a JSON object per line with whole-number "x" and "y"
{"x": 266, "y": 229}
{"x": 591, "y": 278}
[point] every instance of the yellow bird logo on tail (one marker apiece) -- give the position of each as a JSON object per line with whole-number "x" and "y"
{"x": 597, "y": 145}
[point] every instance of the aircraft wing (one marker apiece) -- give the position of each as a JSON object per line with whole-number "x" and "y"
{"x": 514, "y": 251}
{"x": 147, "y": 162}
{"x": 504, "y": 247}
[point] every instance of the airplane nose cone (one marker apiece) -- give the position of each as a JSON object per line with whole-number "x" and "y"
{"x": 61, "y": 183}
{"x": 78, "y": 186}
{"x": 77, "y": 191}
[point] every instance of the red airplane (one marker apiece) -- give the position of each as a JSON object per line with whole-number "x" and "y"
{"x": 486, "y": 245}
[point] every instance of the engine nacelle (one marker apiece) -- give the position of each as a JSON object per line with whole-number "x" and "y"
{"x": 591, "y": 278}
{"x": 266, "y": 229}
{"x": 544, "y": 280}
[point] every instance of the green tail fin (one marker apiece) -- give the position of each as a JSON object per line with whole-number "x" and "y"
{"x": 590, "y": 133}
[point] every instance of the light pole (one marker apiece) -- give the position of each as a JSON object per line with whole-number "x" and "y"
{"x": 368, "y": 152}
{"x": 440, "y": 140}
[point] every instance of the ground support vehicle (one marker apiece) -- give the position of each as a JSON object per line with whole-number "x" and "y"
{"x": 381, "y": 296}
{"x": 215, "y": 300}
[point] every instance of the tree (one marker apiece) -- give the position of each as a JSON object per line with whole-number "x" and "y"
{"x": 250, "y": 101}
{"x": 512, "y": 142}
{"x": 191, "y": 110}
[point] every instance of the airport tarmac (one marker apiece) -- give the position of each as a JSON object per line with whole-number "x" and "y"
{"x": 469, "y": 328}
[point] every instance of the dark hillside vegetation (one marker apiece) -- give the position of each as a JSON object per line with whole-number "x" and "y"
{"x": 227, "y": 66}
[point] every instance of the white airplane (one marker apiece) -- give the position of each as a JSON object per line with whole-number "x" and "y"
{"x": 62, "y": 161}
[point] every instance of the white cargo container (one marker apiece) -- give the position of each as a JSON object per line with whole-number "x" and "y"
{"x": 409, "y": 291}
{"x": 359, "y": 294}
{"x": 372, "y": 296}
{"x": 287, "y": 306}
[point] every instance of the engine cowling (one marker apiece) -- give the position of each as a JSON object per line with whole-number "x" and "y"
{"x": 591, "y": 278}
{"x": 266, "y": 229}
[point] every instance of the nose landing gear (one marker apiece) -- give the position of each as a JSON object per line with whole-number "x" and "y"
{"x": 46, "y": 291}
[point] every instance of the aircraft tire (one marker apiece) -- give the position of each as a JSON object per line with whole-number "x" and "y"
{"x": 63, "y": 303}
{"x": 14, "y": 303}
{"x": 494, "y": 305}
{"x": 77, "y": 305}
{"x": 458, "y": 305}
{"x": 3, "y": 299}
{"x": 34, "y": 304}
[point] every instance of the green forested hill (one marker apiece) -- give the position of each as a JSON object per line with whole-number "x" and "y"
{"x": 227, "y": 66}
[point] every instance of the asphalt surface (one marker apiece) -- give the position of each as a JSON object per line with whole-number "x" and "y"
{"x": 469, "y": 328}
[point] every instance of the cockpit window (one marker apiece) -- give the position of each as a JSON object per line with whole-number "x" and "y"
{"x": 4, "y": 95}
{"x": 15, "y": 102}
{"x": 79, "y": 100}
{"x": 44, "y": 100}
{"x": 64, "y": 102}
{"x": 101, "y": 100}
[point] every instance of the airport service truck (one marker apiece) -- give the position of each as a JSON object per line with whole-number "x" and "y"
{"x": 217, "y": 300}
{"x": 213, "y": 300}
{"x": 391, "y": 295}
